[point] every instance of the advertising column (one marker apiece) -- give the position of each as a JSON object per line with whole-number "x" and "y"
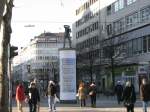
{"x": 67, "y": 66}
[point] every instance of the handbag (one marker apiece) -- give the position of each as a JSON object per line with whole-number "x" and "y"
{"x": 56, "y": 99}
{"x": 91, "y": 93}
{"x": 77, "y": 95}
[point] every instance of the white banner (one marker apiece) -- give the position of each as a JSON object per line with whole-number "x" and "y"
{"x": 67, "y": 67}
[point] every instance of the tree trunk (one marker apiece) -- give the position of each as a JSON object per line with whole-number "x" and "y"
{"x": 113, "y": 72}
{"x": 5, "y": 31}
{"x": 3, "y": 72}
{"x": 91, "y": 70}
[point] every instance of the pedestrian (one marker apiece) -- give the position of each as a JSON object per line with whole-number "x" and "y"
{"x": 92, "y": 94}
{"x": 20, "y": 96}
{"x": 144, "y": 93}
{"x": 82, "y": 94}
{"x": 51, "y": 92}
{"x": 119, "y": 91}
{"x": 34, "y": 98}
{"x": 129, "y": 97}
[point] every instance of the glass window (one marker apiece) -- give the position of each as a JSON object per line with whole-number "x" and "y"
{"x": 139, "y": 43}
{"x": 132, "y": 20}
{"x": 109, "y": 29}
{"x": 149, "y": 43}
{"x": 134, "y": 46}
{"x": 109, "y": 10}
{"x": 116, "y": 6}
{"x": 144, "y": 44}
{"x": 130, "y": 2}
{"x": 119, "y": 5}
{"x": 145, "y": 14}
{"x": 129, "y": 48}
{"x": 119, "y": 26}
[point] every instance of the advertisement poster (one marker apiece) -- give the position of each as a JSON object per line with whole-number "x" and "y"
{"x": 67, "y": 67}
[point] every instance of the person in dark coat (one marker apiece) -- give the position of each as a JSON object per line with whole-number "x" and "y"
{"x": 51, "y": 92}
{"x": 92, "y": 94}
{"x": 129, "y": 97}
{"x": 34, "y": 97}
{"x": 119, "y": 91}
{"x": 144, "y": 93}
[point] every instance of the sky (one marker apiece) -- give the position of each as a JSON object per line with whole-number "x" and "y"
{"x": 44, "y": 15}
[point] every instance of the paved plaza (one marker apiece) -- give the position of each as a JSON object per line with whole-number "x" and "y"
{"x": 104, "y": 104}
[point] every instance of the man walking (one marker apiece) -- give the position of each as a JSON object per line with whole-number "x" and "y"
{"x": 144, "y": 93}
{"x": 119, "y": 91}
{"x": 34, "y": 97}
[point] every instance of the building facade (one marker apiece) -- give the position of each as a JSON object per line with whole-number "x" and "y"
{"x": 116, "y": 32}
{"x": 40, "y": 58}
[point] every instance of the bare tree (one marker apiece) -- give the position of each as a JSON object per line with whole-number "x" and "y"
{"x": 114, "y": 50}
{"x": 5, "y": 31}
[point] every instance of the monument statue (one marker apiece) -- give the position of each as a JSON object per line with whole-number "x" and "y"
{"x": 67, "y": 35}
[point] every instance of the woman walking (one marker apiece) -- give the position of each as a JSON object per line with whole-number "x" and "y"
{"x": 92, "y": 94}
{"x": 82, "y": 94}
{"x": 20, "y": 96}
{"x": 129, "y": 97}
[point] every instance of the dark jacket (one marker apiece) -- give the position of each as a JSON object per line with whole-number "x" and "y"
{"x": 119, "y": 90}
{"x": 129, "y": 95}
{"x": 51, "y": 91}
{"x": 33, "y": 95}
{"x": 144, "y": 92}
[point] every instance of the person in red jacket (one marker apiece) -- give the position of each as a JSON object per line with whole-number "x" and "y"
{"x": 20, "y": 96}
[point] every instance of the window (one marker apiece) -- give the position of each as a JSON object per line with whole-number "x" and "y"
{"x": 109, "y": 29}
{"x": 148, "y": 43}
{"x": 130, "y": 2}
{"x": 135, "y": 46}
{"x": 144, "y": 44}
{"x": 118, "y": 26}
{"x": 145, "y": 14}
{"x": 109, "y": 10}
{"x": 129, "y": 48}
{"x": 132, "y": 20}
{"x": 119, "y": 5}
{"x": 139, "y": 43}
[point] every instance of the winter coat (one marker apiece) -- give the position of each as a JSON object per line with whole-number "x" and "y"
{"x": 20, "y": 95}
{"x": 119, "y": 90}
{"x": 144, "y": 92}
{"x": 82, "y": 93}
{"x": 129, "y": 96}
{"x": 33, "y": 95}
{"x": 51, "y": 91}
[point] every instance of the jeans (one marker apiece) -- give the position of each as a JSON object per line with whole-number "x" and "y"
{"x": 145, "y": 103}
{"x": 51, "y": 102}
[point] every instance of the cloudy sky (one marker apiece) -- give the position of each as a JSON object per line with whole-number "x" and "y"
{"x": 44, "y": 15}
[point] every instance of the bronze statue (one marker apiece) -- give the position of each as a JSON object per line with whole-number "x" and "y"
{"x": 67, "y": 35}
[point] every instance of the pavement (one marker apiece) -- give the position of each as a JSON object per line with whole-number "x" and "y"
{"x": 104, "y": 104}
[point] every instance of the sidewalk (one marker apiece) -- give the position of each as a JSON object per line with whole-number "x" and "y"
{"x": 104, "y": 104}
